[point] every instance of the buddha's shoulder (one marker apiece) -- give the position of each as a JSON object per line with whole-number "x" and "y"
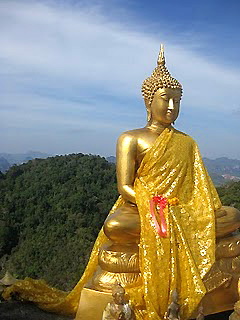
{"x": 133, "y": 134}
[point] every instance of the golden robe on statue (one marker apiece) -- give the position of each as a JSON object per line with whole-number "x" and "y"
{"x": 173, "y": 168}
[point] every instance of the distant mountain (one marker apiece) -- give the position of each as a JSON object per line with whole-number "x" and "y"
{"x": 218, "y": 180}
{"x": 4, "y": 164}
{"x": 222, "y": 170}
{"x": 223, "y": 166}
{"x": 111, "y": 159}
{"x": 9, "y": 159}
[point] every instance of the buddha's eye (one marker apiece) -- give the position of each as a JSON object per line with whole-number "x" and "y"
{"x": 164, "y": 96}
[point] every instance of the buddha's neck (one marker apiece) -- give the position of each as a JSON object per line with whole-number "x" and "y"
{"x": 158, "y": 126}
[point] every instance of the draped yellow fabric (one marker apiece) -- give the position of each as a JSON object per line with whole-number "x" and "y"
{"x": 173, "y": 168}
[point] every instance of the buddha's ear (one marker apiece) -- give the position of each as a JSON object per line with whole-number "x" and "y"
{"x": 147, "y": 104}
{"x": 148, "y": 107}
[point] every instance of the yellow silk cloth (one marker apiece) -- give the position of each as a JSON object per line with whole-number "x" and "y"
{"x": 173, "y": 168}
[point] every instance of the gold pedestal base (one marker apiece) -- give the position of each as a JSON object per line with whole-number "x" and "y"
{"x": 104, "y": 281}
{"x": 92, "y": 304}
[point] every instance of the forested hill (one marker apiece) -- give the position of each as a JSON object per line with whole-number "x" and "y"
{"x": 230, "y": 194}
{"x": 50, "y": 213}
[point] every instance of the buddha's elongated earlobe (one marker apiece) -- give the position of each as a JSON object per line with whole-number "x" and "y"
{"x": 148, "y": 108}
{"x": 149, "y": 115}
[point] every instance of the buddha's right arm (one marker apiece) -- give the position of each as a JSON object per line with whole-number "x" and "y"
{"x": 126, "y": 165}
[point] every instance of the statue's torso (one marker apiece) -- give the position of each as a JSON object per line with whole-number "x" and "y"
{"x": 145, "y": 139}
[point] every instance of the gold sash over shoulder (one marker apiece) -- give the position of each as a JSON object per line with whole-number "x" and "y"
{"x": 172, "y": 167}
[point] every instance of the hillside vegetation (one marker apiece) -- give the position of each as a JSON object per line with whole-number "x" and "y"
{"x": 230, "y": 194}
{"x": 51, "y": 211}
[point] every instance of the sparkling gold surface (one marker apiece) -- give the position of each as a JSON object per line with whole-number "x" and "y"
{"x": 189, "y": 251}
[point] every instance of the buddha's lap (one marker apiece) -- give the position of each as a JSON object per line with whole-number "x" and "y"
{"x": 125, "y": 222}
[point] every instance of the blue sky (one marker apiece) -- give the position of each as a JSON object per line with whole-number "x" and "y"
{"x": 71, "y": 72}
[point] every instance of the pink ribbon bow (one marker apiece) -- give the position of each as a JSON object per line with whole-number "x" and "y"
{"x": 160, "y": 202}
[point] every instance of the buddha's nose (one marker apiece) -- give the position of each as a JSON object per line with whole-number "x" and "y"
{"x": 170, "y": 104}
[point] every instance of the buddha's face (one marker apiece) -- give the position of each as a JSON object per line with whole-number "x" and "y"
{"x": 165, "y": 105}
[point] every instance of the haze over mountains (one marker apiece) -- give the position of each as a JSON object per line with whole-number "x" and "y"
{"x": 222, "y": 170}
{"x": 9, "y": 159}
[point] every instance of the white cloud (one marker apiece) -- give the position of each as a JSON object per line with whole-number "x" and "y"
{"x": 84, "y": 47}
{"x": 83, "y": 51}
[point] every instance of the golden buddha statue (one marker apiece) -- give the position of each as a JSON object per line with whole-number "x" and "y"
{"x": 167, "y": 231}
{"x": 158, "y": 159}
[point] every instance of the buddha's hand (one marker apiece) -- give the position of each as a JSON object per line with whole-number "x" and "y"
{"x": 220, "y": 213}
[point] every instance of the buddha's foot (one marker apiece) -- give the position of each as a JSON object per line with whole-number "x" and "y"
{"x": 117, "y": 262}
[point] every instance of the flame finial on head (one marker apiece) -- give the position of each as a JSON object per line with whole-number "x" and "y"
{"x": 160, "y": 78}
{"x": 161, "y": 58}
